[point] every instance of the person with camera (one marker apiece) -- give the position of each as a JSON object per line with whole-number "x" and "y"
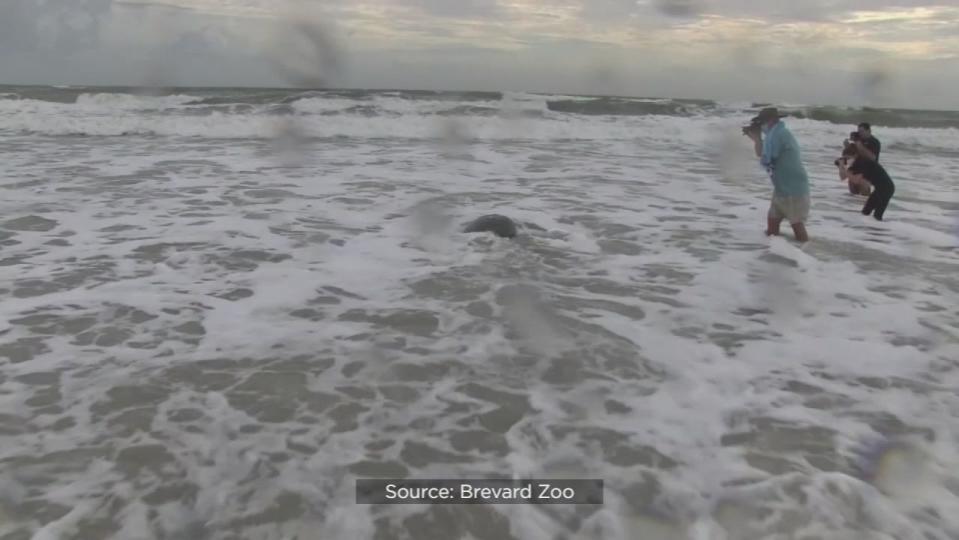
{"x": 849, "y": 154}
{"x": 860, "y": 144}
{"x": 779, "y": 153}
{"x": 866, "y": 144}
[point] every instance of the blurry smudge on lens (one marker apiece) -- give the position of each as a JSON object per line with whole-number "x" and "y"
{"x": 679, "y": 8}
{"x": 454, "y": 138}
{"x": 732, "y": 156}
{"x": 902, "y": 469}
{"x": 877, "y": 84}
{"x": 290, "y": 143}
{"x": 305, "y": 51}
{"x": 431, "y": 225}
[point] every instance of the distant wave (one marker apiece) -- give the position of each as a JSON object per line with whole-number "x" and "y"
{"x": 631, "y": 107}
{"x": 80, "y": 106}
{"x": 890, "y": 118}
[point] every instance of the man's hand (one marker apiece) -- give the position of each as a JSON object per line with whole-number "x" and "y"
{"x": 863, "y": 151}
{"x": 757, "y": 138}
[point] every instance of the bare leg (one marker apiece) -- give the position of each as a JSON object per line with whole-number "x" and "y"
{"x": 799, "y": 229}
{"x": 772, "y": 226}
{"x": 859, "y": 188}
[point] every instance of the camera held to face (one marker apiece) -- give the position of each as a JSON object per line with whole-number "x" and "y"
{"x": 849, "y": 150}
{"x": 754, "y": 127}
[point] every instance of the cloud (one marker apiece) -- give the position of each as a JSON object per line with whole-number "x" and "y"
{"x": 607, "y": 10}
{"x": 707, "y": 47}
{"x": 307, "y": 54}
{"x": 122, "y": 43}
{"x": 18, "y": 29}
{"x": 54, "y": 25}
{"x": 461, "y": 8}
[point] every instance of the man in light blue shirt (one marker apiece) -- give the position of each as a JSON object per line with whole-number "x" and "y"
{"x": 779, "y": 153}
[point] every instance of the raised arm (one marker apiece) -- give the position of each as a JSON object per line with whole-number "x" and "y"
{"x": 772, "y": 149}
{"x": 757, "y": 138}
{"x": 865, "y": 152}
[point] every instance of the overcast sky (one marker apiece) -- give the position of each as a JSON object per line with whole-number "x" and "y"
{"x": 856, "y": 52}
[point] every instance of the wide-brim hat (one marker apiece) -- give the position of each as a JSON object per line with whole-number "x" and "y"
{"x": 767, "y": 114}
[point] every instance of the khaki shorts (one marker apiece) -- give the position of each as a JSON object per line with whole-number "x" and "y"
{"x": 793, "y": 209}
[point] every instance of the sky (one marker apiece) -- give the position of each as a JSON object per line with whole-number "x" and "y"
{"x": 901, "y": 53}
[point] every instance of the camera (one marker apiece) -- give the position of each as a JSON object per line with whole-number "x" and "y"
{"x": 854, "y": 136}
{"x": 752, "y": 127}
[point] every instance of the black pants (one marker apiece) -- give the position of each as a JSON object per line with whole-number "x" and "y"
{"x": 879, "y": 200}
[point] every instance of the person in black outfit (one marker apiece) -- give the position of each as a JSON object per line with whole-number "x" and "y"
{"x": 867, "y": 145}
{"x": 883, "y": 187}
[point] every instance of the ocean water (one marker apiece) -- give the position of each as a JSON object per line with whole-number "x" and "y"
{"x": 220, "y": 307}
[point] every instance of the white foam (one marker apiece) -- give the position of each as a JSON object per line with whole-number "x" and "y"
{"x": 109, "y": 114}
{"x": 129, "y": 102}
{"x": 637, "y": 218}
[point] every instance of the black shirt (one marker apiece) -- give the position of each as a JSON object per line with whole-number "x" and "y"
{"x": 873, "y": 145}
{"x": 873, "y": 172}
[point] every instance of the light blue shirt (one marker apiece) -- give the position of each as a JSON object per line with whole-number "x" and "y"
{"x": 783, "y": 160}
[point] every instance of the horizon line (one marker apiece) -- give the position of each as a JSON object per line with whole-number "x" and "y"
{"x": 168, "y": 88}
